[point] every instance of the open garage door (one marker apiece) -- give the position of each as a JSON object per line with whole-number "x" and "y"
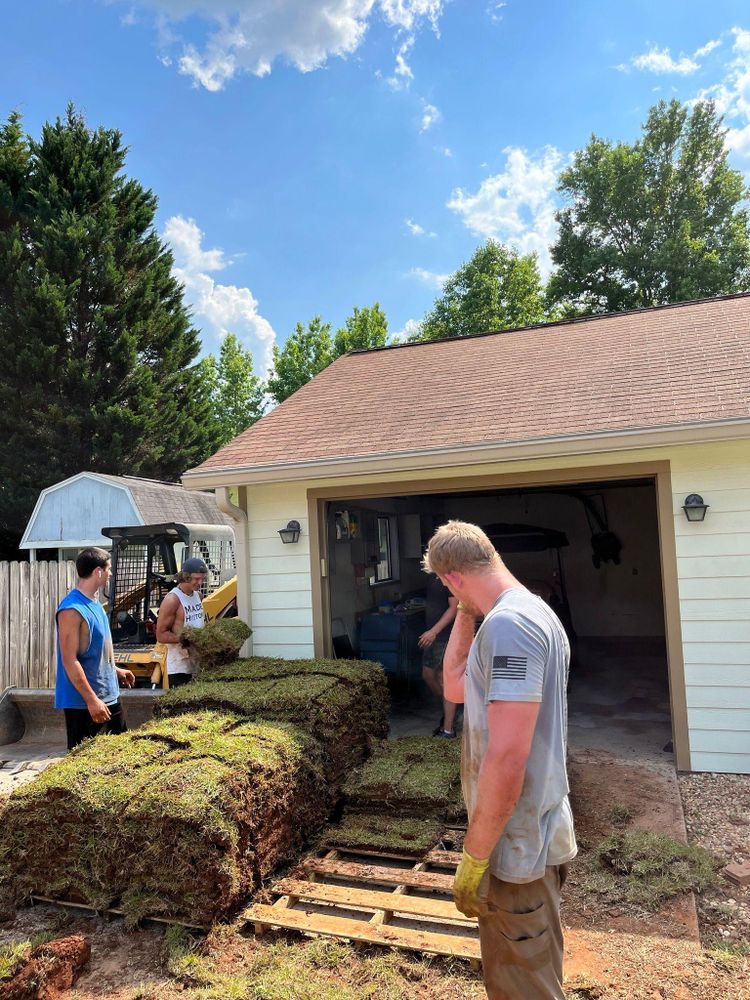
{"x": 591, "y": 550}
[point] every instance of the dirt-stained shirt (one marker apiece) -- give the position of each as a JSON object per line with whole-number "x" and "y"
{"x": 521, "y": 653}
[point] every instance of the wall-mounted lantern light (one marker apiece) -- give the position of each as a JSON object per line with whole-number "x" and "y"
{"x": 694, "y": 507}
{"x": 290, "y": 533}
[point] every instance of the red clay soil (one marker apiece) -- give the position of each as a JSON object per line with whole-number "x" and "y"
{"x": 50, "y": 969}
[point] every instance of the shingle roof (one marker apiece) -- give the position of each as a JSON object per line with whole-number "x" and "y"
{"x": 644, "y": 369}
{"x": 159, "y": 502}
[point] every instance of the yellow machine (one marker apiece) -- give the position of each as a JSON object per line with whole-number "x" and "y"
{"x": 145, "y": 562}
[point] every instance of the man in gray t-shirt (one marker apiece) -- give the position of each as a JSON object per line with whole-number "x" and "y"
{"x": 512, "y": 678}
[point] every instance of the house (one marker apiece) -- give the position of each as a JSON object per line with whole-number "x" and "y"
{"x": 627, "y": 434}
{"x": 71, "y": 514}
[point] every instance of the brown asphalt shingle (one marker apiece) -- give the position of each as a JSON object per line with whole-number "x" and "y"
{"x": 644, "y": 369}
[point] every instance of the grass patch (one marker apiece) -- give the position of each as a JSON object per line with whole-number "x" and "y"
{"x": 417, "y": 776}
{"x": 14, "y": 955}
{"x": 182, "y": 817}
{"x": 218, "y": 642}
{"x": 403, "y": 835}
{"x": 620, "y": 815}
{"x": 341, "y": 703}
{"x": 646, "y": 869}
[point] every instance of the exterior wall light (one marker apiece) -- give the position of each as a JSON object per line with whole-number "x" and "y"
{"x": 290, "y": 533}
{"x": 694, "y": 507}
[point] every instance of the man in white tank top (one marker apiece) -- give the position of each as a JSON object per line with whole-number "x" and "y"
{"x": 182, "y": 606}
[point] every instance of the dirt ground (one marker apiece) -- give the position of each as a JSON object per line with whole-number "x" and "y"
{"x": 614, "y": 950}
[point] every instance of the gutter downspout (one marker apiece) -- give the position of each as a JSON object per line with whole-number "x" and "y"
{"x": 239, "y": 516}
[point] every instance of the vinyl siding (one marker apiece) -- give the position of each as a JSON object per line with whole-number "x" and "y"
{"x": 713, "y": 568}
{"x": 713, "y": 563}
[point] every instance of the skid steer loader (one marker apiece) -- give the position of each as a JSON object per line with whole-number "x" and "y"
{"x": 145, "y": 562}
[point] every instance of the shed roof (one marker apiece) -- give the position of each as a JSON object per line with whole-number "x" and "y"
{"x": 71, "y": 513}
{"x": 668, "y": 366}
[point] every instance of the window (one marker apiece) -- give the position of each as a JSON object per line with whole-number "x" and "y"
{"x": 387, "y": 565}
{"x": 383, "y": 569}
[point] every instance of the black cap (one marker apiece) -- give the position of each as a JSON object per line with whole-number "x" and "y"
{"x": 194, "y": 565}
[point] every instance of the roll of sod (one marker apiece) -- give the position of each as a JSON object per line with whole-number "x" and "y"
{"x": 417, "y": 776}
{"x": 217, "y": 643}
{"x": 183, "y": 817}
{"x": 342, "y": 703}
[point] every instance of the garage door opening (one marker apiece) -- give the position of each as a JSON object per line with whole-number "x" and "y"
{"x": 591, "y": 550}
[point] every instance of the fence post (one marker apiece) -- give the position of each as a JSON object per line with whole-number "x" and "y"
{"x": 4, "y": 625}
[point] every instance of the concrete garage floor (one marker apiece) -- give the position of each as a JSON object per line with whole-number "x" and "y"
{"x": 618, "y": 700}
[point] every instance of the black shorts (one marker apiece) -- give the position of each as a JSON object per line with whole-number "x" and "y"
{"x": 177, "y": 680}
{"x": 80, "y": 725}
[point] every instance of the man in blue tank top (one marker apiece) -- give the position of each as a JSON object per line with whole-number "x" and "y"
{"x": 88, "y": 682}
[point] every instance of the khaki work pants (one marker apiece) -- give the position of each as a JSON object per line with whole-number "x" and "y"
{"x": 521, "y": 939}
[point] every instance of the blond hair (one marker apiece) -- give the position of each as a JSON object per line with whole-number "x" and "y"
{"x": 460, "y": 547}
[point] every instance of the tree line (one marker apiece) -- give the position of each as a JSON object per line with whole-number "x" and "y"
{"x": 100, "y": 367}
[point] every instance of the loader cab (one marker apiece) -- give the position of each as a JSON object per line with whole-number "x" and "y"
{"x": 145, "y": 563}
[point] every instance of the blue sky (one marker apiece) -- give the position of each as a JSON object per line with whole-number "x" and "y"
{"x": 314, "y": 155}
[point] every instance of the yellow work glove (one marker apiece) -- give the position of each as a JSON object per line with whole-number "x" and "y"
{"x": 466, "y": 885}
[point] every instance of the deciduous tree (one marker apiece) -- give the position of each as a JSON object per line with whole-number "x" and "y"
{"x": 654, "y": 221}
{"x": 304, "y": 354}
{"x": 496, "y": 290}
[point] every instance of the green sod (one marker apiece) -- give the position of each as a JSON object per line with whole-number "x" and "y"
{"x": 398, "y": 834}
{"x": 217, "y": 643}
{"x": 341, "y": 703}
{"x": 416, "y": 776}
{"x": 182, "y": 817}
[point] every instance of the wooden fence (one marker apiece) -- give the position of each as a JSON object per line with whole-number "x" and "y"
{"x": 29, "y": 596}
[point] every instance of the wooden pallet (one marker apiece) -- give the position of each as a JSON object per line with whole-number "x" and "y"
{"x": 374, "y": 902}
{"x": 112, "y": 911}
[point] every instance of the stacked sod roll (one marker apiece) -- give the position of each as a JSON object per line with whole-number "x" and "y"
{"x": 342, "y": 703}
{"x": 186, "y": 816}
{"x": 401, "y": 799}
{"x": 181, "y": 817}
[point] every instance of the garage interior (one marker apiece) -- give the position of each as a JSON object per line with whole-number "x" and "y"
{"x": 590, "y": 550}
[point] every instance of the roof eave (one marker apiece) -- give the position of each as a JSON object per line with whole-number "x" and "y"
{"x": 472, "y": 454}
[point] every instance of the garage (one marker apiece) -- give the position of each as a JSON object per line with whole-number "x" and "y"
{"x": 608, "y": 455}
{"x": 590, "y": 550}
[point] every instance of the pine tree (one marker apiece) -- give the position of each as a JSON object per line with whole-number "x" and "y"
{"x": 97, "y": 368}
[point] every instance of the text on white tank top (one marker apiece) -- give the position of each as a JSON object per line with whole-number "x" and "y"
{"x": 178, "y": 658}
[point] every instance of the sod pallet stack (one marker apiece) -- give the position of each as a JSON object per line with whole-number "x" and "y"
{"x": 402, "y": 797}
{"x": 342, "y": 703}
{"x": 183, "y": 817}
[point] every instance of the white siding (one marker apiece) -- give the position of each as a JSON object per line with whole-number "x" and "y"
{"x": 713, "y": 564}
{"x": 280, "y": 585}
{"x": 713, "y": 567}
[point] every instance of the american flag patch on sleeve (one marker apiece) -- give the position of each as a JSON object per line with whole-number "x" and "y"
{"x": 509, "y": 668}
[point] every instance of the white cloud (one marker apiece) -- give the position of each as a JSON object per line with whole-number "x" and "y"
{"x": 218, "y": 308}
{"x": 732, "y": 94}
{"x": 660, "y": 61}
{"x": 402, "y": 73}
{"x": 430, "y": 116}
{"x": 250, "y": 36}
{"x": 494, "y": 11}
{"x": 444, "y": 151}
{"x": 706, "y": 49}
{"x": 410, "y": 328}
{"x": 416, "y": 230}
{"x": 431, "y": 278}
{"x": 516, "y": 206}
{"x": 657, "y": 60}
